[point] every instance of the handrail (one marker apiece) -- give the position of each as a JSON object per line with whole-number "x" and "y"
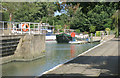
{"x": 16, "y": 27}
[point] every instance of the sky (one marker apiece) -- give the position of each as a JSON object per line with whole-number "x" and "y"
{"x": 59, "y": 13}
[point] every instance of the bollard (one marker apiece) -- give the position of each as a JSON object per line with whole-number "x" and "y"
{"x": 9, "y": 31}
{"x": 29, "y": 28}
{"x": 38, "y": 28}
{"x": 34, "y": 29}
{"x": 107, "y": 33}
{"x": 95, "y": 34}
{"x": 21, "y": 27}
{"x": 3, "y": 28}
{"x": 91, "y": 37}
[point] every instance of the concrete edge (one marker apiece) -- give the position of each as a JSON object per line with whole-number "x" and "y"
{"x": 22, "y": 60}
{"x": 73, "y": 58}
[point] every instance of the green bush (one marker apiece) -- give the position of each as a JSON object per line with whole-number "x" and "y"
{"x": 107, "y": 29}
{"x": 92, "y": 29}
{"x": 61, "y": 31}
{"x": 92, "y": 35}
{"x": 97, "y": 33}
{"x": 31, "y": 26}
{"x": 58, "y": 27}
{"x": 116, "y": 32}
{"x": 77, "y": 31}
{"x": 85, "y": 32}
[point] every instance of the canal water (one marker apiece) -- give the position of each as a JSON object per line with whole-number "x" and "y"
{"x": 55, "y": 54}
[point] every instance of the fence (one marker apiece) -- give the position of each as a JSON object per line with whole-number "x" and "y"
{"x": 23, "y": 28}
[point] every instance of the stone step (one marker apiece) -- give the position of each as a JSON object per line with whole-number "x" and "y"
{"x": 11, "y": 35}
{"x": 5, "y": 37}
{"x": 4, "y": 47}
{"x": 9, "y": 44}
{"x": 8, "y": 39}
{"x": 7, "y": 54}
{"x": 1, "y": 44}
{"x": 4, "y": 50}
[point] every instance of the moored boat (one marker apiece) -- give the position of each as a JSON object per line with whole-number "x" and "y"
{"x": 63, "y": 38}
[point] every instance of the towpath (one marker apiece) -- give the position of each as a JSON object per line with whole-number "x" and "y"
{"x": 101, "y": 61}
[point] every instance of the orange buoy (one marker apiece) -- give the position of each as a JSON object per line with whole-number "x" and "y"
{"x": 73, "y": 34}
{"x": 25, "y": 25}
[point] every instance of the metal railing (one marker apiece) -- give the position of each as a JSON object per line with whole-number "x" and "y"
{"x": 20, "y": 27}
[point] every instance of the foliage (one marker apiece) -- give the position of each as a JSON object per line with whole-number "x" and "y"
{"x": 99, "y": 17}
{"x": 107, "y": 29}
{"x": 92, "y": 34}
{"x": 97, "y": 33}
{"x": 30, "y": 11}
{"x": 79, "y": 21}
{"x": 85, "y": 32}
{"x": 98, "y": 14}
{"x": 77, "y": 31}
{"x": 10, "y": 8}
{"x": 31, "y": 26}
{"x": 83, "y": 16}
{"x": 116, "y": 32}
{"x": 115, "y": 18}
{"x": 92, "y": 29}
{"x": 5, "y": 16}
{"x": 58, "y": 27}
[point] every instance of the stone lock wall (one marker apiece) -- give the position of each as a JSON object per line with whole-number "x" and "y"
{"x": 30, "y": 47}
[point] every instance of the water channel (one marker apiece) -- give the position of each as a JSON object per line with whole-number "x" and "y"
{"x": 55, "y": 54}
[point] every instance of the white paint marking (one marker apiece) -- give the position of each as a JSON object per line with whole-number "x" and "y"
{"x": 71, "y": 59}
{"x": 74, "y": 58}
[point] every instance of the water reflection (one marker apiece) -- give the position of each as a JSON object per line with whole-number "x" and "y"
{"x": 55, "y": 54}
{"x": 72, "y": 51}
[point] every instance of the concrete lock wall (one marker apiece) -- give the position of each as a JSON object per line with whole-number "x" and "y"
{"x": 30, "y": 47}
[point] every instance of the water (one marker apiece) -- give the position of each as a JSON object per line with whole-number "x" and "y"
{"x": 55, "y": 54}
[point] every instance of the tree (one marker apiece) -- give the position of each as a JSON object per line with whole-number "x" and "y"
{"x": 10, "y": 7}
{"x": 79, "y": 21}
{"x": 100, "y": 16}
{"x": 116, "y": 18}
{"x": 80, "y": 15}
{"x": 30, "y": 11}
{"x": 77, "y": 31}
{"x": 58, "y": 28}
{"x": 92, "y": 29}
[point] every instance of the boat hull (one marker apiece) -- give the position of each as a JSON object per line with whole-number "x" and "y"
{"x": 63, "y": 38}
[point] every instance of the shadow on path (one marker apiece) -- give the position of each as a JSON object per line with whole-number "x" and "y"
{"x": 108, "y": 66}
